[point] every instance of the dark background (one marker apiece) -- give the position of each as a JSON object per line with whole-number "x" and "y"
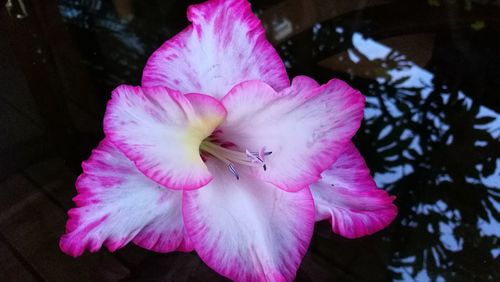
{"x": 430, "y": 71}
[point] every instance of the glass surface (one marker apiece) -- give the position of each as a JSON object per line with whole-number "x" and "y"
{"x": 430, "y": 71}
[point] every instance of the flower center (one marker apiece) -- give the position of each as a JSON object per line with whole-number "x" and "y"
{"x": 231, "y": 157}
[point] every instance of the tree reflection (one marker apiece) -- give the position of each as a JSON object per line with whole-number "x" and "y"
{"x": 429, "y": 143}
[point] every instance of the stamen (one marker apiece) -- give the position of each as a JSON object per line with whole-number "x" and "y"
{"x": 254, "y": 157}
{"x": 258, "y": 157}
{"x": 262, "y": 152}
{"x": 233, "y": 170}
{"x": 233, "y": 157}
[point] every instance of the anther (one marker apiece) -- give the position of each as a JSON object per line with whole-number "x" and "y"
{"x": 233, "y": 170}
{"x": 258, "y": 157}
{"x": 231, "y": 157}
{"x": 254, "y": 157}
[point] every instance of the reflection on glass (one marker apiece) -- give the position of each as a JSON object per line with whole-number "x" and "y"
{"x": 434, "y": 146}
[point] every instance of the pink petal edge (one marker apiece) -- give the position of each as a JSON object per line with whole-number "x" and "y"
{"x": 247, "y": 230}
{"x": 160, "y": 130}
{"x": 117, "y": 204}
{"x": 306, "y": 127}
{"x": 225, "y": 44}
{"x": 348, "y": 197}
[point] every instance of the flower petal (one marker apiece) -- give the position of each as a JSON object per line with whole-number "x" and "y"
{"x": 300, "y": 84}
{"x": 161, "y": 130}
{"x": 117, "y": 204}
{"x": 224, "y": 45}
{"x": 248, "y": 230}
{"x": 348, "y": 196}
{"x": 305, "y": 126}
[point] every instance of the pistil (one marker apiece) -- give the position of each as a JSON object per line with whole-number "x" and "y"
{"x": 231, "y": 157}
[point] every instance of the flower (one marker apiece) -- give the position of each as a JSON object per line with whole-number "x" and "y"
{"x": 216, "y": 152}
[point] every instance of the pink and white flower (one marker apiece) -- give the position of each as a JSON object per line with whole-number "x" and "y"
{"x": 218, "y": 153}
